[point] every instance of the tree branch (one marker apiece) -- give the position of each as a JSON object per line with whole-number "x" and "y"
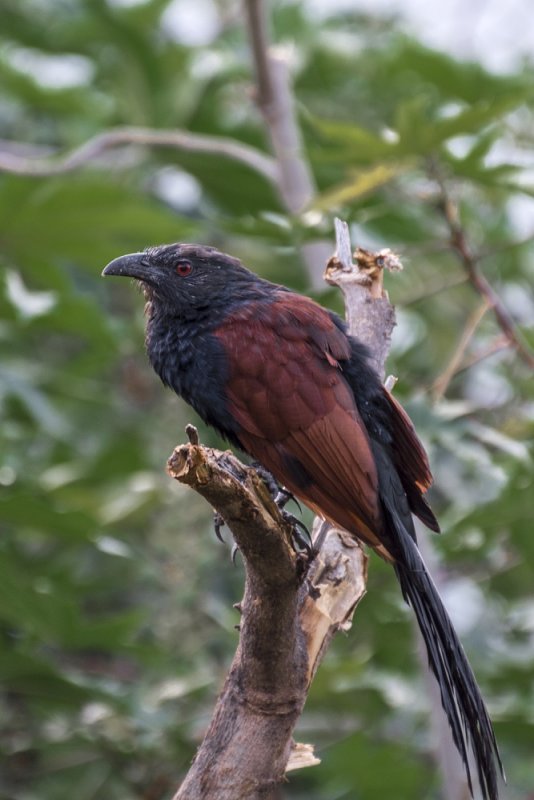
{"x": 440, "y": 385}
{"x": 286, "y": 625}
{"x": 469, "y": 260}
{"x": 246, "y": 747}
{"x": 498, "y": 344}
{"x": 276, "y": 103}
{"x": 257, "y": 24}
{"x": 178, "y": 140}
{"x": 290, "y": 609}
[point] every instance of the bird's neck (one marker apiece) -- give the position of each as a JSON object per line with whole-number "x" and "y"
{"x": 170, "y": 341}
{"x": 190, "y": 359}
{"x": 178, "y": 338}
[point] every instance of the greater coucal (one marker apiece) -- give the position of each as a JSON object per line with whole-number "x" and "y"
{"x": 278, "y": 376}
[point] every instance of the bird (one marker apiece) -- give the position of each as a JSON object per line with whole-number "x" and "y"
{"x": 278, "y": 376}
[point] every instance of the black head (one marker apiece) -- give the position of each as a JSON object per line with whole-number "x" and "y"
{"x": 183, "y": 278}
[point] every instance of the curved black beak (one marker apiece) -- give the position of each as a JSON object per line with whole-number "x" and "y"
{"x": 133, "y": 265}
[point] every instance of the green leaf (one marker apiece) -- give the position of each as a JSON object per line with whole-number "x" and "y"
{"x": 421, "y": 129}
{"x": 36, "y": 679}
{"x": 467, "y": 81}
{"x": 356, "y": 765}
{"x": 364, "y": 182}
{"x": 37, "y": 512}
{"x": 357, "y": 143}
{"x": 84, "y": 219}
{"x": 478, "y": 115}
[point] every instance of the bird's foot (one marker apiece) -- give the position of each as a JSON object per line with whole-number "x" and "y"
{"x": 300, "y": 535}
{"x": 268, "y": 478}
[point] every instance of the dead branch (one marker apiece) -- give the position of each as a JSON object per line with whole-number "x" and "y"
{"x": 370, "y": 315}
{"x": 247, "y": 745}
{"x": 285, "y": 626}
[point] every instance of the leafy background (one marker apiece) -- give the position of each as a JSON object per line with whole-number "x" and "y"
{"x": 116, "y": 619}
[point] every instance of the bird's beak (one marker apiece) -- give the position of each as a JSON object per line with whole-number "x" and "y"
{"x": 134, "y": 265}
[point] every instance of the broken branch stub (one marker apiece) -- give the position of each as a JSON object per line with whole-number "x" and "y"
{"x": 369, "y": 314}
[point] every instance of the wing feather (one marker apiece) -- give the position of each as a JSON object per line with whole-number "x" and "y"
{"x": 298, "y": 415}
{"x": 411, "y": 461}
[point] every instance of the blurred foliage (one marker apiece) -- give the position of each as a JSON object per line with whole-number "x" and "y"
{"x": 116, "y": 619}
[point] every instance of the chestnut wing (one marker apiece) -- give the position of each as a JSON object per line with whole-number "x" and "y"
{"x": 296, "y": 412}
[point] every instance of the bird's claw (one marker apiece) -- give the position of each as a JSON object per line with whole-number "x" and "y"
{"x": 281, "y": 496}
{"x": 218, "y": 523}
{"x": 235, "y": 551}
{"x": 300, "y": 534}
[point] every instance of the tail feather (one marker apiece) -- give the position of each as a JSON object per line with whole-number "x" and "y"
{"x": 460, "y": 696}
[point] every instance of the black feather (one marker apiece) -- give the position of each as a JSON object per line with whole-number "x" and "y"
{"x": 460, "y": 696}
{"x": 420, "y": 507}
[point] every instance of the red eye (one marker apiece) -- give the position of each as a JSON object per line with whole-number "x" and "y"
{"x": 184, "y": 268}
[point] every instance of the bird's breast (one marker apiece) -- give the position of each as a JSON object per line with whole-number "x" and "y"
{"x": 192, "y": 362}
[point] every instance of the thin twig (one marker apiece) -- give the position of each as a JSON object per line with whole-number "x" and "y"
{"x": 500, "y": 343}
{"x": 469, "y": 260}
{"x": 176, "y": 139}
{"x": 432, "y": 290}
{"x": 440, "y": 385}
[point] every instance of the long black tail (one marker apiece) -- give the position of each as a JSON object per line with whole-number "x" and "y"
{"x": 460, "y": 695}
